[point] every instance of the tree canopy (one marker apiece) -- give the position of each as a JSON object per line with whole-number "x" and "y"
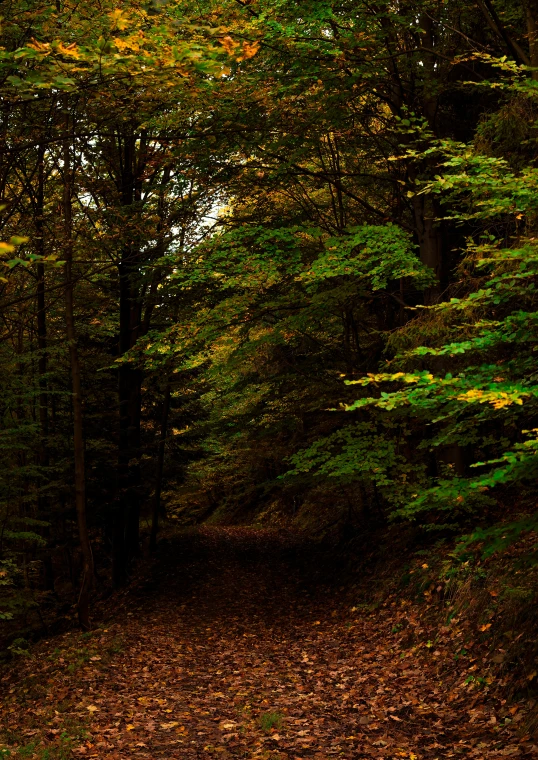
{"x": 263, "y": 261}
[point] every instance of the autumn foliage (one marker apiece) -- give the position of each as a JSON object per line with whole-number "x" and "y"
{"x": 274, "y": 264}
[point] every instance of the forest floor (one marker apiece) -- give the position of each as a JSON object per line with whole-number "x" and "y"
{"x": 232, "y": 647}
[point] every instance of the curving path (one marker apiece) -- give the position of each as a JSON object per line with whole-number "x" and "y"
{"x": 230, "y": 649}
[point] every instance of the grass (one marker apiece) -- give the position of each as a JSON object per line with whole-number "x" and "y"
{"x": 78, "y": 653}
{"x": 271, "y": 720}
{"x": 62, "y": 749}
{"x": 116, "y": 646}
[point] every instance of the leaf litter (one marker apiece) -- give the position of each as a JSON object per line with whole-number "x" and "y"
{"x": 227, "y": 651}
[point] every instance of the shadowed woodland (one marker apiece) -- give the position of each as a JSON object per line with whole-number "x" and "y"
{"x": 268, "y": 440}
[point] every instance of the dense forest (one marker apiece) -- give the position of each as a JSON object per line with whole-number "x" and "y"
{"x": 266, "y": 263}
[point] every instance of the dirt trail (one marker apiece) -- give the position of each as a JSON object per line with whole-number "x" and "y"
{"x": 229, "y": 650}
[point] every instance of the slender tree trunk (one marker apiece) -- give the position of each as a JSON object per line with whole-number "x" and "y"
{"x": 134, "y": 479}
{"x": 41, "y": 315}
{"x": 42, "y": 367}
{"x": 430, "y": 242}
{"x": 531, "y": 10}
{"x": 426, "y": 208}
{"x": 160, "y": 467}
{"x": 42, "y": 363}
{"x": 496, "y": 25}
{"x": 127, "y": 508}
{"x": 78, "y": 440}
{"x": 119, "y": 560}
{"x": 22, "y": 491}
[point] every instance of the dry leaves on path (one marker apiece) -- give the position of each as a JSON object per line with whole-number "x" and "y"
{"x": 227, "y": 652}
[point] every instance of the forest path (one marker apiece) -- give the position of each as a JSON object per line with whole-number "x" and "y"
{"x": 230, "y": 650}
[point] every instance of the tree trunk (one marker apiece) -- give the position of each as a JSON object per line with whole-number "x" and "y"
{"x": 41, "y": 315}
{"x": 42, "y": 363}
{"x": 531, "y": 10}
{"x": 78, "y": 440}
{"x": 160, "y": 467}
{"x": 430, "y": 242}
{"x": 127, "y": 509}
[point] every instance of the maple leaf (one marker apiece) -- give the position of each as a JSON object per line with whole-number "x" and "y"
{"x": 119, "y": 19}
{"x": 248, "y": 50}
{"x": 229, "y": 44}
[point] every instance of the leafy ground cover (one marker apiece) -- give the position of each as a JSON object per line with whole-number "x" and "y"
{"x": 234, "y": 645}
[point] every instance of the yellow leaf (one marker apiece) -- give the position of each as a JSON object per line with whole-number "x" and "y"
{"x": 119, "y": 20}
{"x": 248, "y": 50}
{"x": 229, "y": 44}
{"x": 68, "y": 50}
